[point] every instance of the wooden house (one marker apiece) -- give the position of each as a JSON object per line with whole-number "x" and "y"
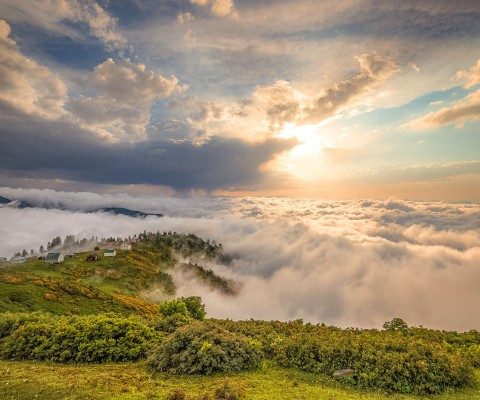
{"x": 126, "y": 246}
{"x": 109, "y": 253}
{"x": 54, "y": 258}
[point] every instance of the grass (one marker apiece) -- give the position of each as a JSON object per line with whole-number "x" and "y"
{"x": 20, "y": 290}
{"x": 133, "y": 381}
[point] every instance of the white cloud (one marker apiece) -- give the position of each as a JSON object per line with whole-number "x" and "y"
{"x": 220, "y": 8}
{"x": 125, "y": 92}
{"x": 468, "y": 109}
{"x": 27, "y": 85}
{"x": 462, "y": 111}
{"x": 347, "y": 263}
{"x": 183, "y": 18}
{"x": 279, "y": 103}
{"x": 55, "y": 16}
{"x": 472, "y": 75}
{"x": 374, "y": 69}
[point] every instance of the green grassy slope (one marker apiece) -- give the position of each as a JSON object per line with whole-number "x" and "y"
{"x": 133, "y": 381}
{"x": 113, "y": 284}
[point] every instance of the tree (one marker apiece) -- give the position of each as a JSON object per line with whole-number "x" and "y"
{"x": 195, "y": 307}
{"x": 69, "y": 241}
{"x": 41, "y": 250}
{"x": 57, "y": 241}
{"x": 396, "y": 325}
{"x": 24, "y": 253}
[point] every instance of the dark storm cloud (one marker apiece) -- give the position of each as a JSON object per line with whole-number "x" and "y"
{"x": 68, "y": 152}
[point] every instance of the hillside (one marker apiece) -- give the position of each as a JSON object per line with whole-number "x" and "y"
{"x": 116, "y": 284}
{"x": 21, "y": 204}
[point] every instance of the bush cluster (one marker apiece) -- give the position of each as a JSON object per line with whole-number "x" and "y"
{"x": 398, "y": 359}
{"x": 381, "y": 360}
{"x": 95, "y": 338}
{"x": 205, "y": 348}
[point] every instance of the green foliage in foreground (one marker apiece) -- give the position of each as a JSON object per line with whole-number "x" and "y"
{"x": 384, "y": 361}
{"x": 95, "y": 338}
{"x": 205, "y": 348}
{"x": 417, "y": 361}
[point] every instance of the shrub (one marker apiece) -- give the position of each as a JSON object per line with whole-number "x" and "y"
{"x": 175, "y": 306}
{"x": 177, "y": 394}
{"x": 226, "y": 392}
{"x": 98, "y": 338}
{"x": 195, "y": 307}
{"x": 9, "y": 322}
{"x": 473, "y": 353}
{"x": 171, "y": 323}
{"x": 381, "y": 360}
{"x": 190, "y": 306}
{"x": 205, "y": 348}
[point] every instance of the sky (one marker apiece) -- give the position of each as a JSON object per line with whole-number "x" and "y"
{"x": 343, "y": 99}
{"x": 349, "y": 263}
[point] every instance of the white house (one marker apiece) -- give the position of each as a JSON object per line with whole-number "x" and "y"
{"x": 126, "y": 246}
{"x": 18, "y": 260}
{"x": 109, "y": 253}
{"x": 54, "y": 258}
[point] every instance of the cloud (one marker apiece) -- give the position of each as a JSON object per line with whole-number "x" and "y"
{"x": 467, "y": 109}
{"x": 374, "y": 69}
{"x": 123, "y": 92}
{"x": 184, "y": 17}
{"x": 82, "y": 156}
{"x": 472, "y": 76}
{"x": 347, "y": 263}
{"x": 124, "y": 95}
{"x": 279, "y": 103}
{"x": 27, "y": 85}
{"x": 459, "y": 113}
{"x": 220, "y": 8}
{"x": 57, "y": 16}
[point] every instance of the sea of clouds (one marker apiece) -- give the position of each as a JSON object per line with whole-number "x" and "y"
{"x": 353, "y": 263}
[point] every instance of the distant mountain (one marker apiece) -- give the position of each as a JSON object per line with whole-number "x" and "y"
{"x": 113, "y": 210}
{"x": 4, "y": 200}
{"x": 128, "y": 212}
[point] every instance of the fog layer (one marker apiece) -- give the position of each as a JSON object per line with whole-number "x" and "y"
{"x": 348, "y": 263}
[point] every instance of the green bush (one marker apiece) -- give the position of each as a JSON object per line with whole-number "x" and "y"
{"x": 10, "y": 322}
{"x": 473, "y": 353}
{"x": 189, "y": 306}
{"x": 171, "y": 323}
{"x": 205, "y": 348}
{"x": 380, "y": 360}
{"x": 98, "y": 338}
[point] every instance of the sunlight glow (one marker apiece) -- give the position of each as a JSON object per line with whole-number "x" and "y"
{"x": 305, "y": 161}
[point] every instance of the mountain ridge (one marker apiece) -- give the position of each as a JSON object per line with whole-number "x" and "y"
{"x": 22, "y": 204}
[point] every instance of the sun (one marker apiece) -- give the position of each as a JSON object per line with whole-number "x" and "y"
{"x": 304, "y": 161}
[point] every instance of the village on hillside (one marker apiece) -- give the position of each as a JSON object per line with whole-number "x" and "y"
{"x": 56, "y": 250}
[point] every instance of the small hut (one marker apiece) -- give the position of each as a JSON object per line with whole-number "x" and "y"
{"x": 109, "y": 253}
{"x": 54, "y": 258}
{"x": 126, "y": 246}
